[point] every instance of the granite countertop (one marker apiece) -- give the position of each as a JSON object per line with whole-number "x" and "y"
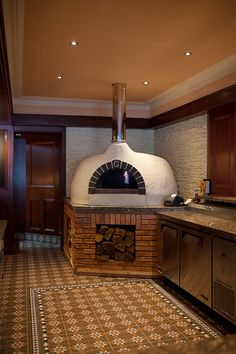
{"x": 196, "y": 219}
{"x": 215, "y": 198}
{"x": 110, "y": 207}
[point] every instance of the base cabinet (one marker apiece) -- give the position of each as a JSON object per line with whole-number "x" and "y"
{"x": 203, "y": 264}
{"x": 170, "y": 234}
{"x": 195, "y": 264}
{"x": 224, "y": 278}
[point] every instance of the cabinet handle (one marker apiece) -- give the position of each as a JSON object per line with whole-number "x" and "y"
{"x": 221, "y": 282}
{"x": 194, "y": 239}
{"x": 204, "y": 297}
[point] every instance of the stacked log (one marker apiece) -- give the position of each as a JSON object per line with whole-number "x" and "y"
{"x": 115, "y": 243}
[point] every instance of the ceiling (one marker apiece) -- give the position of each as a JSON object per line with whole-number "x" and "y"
{"x": 129, "y": 41}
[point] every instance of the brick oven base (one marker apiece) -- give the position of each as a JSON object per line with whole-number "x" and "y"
{"x": 80, "y": 226}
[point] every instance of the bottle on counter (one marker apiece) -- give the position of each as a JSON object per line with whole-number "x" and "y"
{"x": 207, "y": 185}
{"x": 196, "y": 199}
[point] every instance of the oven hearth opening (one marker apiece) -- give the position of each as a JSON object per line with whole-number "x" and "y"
{"x": 115, "y": 242}
{"x": 116, "y": 177}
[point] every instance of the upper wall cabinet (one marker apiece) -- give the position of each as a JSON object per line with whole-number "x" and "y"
{"x": 222, "y": 150}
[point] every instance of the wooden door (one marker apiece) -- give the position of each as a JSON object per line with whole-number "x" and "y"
{"x": 43, "y": 192}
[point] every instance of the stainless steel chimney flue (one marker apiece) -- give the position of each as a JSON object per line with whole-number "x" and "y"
{"x": 119, "y": 113}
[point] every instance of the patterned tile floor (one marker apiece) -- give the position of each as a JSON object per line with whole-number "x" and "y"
{"x": 43, "y": 267}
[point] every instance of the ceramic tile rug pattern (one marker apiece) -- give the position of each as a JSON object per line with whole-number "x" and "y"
{"x": 112, "y": 317}
{"x": 35, "y": 265}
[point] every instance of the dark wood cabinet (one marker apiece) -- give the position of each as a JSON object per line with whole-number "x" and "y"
{"x": 222, "y": 151}
{"x": 195, "y": 263}
{"x": 202, "y": 263}
{"x": 170, "y": 234}
{"x": 187, "y": 259}
{"x": 224, "y": 278}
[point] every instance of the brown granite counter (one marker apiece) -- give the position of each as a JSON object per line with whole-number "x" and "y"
{"x": 85, "y": 207}
{"x": 209, "y": 223}
{"x": 226, "y": 200}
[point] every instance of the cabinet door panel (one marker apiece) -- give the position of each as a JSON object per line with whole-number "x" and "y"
{"x": 171, "y": 252}
{"x": 224, "y": 278}
{"x": 195, "y": 264}
{"x": 224, "y": 262}
{"x": 222, "y": 151}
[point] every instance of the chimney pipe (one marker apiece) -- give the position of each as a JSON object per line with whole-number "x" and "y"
{"x": 119, "y": 113}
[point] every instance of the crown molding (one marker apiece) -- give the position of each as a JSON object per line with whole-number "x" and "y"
{"x": 79, "y": 107}
{"x": 190, "y": 88}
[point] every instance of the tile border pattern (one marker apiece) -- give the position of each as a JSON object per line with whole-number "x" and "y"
{"x": 42, "y": 343}
{"x": 29, "y": 236}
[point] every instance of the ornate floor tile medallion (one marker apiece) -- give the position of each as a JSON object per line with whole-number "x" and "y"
{"x": 111, "y": 317}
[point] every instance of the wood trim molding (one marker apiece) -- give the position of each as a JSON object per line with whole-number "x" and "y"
{"x": 74, "y": 121}
{"x": 199, "y": 106}
{"x": 37, "y": 129}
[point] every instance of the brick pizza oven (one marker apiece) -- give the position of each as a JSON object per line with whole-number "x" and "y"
{"x": 110, "y": 223}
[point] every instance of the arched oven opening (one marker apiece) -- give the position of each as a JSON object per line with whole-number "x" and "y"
{"x": 116, "y": 177}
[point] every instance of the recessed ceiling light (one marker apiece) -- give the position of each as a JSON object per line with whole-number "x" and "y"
{"x": 146, "y": 82}
{"x": 73, "y": 43}
{"x": 59, "y": 77}
{"x": 187, "y": 54}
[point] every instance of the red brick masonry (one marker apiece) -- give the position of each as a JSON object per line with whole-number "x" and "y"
{"x": 79, "y": 239}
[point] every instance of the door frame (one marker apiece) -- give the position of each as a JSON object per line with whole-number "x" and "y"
{"x": 27, "y": 132}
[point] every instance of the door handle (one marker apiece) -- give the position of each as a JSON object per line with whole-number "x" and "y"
{"x": 224, "y": 284}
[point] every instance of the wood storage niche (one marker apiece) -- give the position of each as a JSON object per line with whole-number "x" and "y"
{"x": 115, "y": 242}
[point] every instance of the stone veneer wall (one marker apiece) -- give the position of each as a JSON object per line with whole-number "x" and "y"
{"x": 184, "y": 146}
{"x": 84, "y": 142}
{"x": 80, "y": 245}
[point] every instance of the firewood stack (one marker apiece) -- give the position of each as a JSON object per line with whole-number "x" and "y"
{"x": 115, "y": 243}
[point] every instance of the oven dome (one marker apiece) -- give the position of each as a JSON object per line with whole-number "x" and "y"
{"x": 153, "y": 172}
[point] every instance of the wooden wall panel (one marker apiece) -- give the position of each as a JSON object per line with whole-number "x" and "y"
{"x": 6, "y": 194}
{"x": 33, "y": 222}
{"x": 42, "y": 169}
{"x": 222, "y": 151}
{"x": 50, "y": 208}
